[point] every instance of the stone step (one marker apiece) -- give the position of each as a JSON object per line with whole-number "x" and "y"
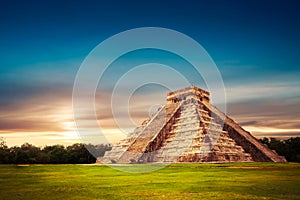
{"x": 186, "y": 129}
{"x": 188, "y": 115}
{"x": 190, "y": 123}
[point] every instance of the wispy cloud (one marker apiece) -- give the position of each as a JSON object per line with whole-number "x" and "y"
{"x": 46, "y": 112}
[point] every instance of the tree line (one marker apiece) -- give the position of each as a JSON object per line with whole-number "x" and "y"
{"x": 78, "y": 153}
{"x": 289, "y": 148}
{"x": 55, "y": 154}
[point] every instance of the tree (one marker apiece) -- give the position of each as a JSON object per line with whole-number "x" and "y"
{"x": 57, "y": 154}
{"x": 290, "y": 148}
{"x": 32, "y": 152}
{"x": 78, "y": 153}
{"x": 4, "y": 152}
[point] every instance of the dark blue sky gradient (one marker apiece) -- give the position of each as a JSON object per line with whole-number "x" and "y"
{"x": 264, "y": 33}
{"x": 247, "y": 39}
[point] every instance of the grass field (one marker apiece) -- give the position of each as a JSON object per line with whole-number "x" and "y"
{"x": 177, "y": 181}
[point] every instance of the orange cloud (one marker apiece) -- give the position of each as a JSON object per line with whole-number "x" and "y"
{"x": 47, "y": 117}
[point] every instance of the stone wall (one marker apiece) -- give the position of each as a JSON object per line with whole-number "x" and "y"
{"x": 258, "y": 151}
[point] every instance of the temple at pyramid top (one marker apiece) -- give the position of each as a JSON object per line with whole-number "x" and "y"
{"x": 189, "y": 129}
{"x": 187, "y": 93}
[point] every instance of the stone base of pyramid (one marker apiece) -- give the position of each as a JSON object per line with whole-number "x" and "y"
{"x": 189, "y": 129}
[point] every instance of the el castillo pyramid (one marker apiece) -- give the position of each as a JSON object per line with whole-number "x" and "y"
{"x": 189, "y": 129}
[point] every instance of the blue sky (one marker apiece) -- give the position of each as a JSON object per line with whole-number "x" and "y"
{"x": 255, "y": 44}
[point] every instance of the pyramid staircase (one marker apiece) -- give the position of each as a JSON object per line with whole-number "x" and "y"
{"x": 195, "y": 137}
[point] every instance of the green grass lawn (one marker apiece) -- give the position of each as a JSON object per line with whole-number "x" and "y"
{"x": 177, "y": 181}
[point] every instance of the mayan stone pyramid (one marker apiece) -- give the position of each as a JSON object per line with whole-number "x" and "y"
{"x": 189, "y": 129}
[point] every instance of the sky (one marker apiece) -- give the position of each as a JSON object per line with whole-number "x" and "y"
{"x": 255, "y": 45}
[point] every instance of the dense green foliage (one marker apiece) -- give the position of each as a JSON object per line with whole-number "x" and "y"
{"x": 78, "y": 153}
{"x": 290, "y": 148}
{"x": 29, "y": 154}
{"x": 178, "y": 181}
